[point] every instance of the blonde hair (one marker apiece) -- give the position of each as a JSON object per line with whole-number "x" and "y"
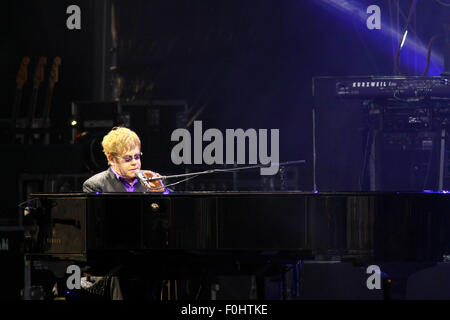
{"x": 120, "y": 140}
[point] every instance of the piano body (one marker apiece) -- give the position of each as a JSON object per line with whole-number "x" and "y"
{"x": 189, "y": 233}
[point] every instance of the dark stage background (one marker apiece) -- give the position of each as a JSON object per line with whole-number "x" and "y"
{"x": 232, "y": 64}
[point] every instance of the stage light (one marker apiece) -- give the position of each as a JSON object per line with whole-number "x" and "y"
{"x": 357, "y": 11}
{"x": 404, "y": 38}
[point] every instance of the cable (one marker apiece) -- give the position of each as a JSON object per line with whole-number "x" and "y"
{"x": 407, "y": 100}
{"x": 427, "y": 66}
{"x": 397, "y": 55}
{"x": 91, "y": 153}
{"x": 391, "y": 23}
{"x": 405, "y": 29}
{"x": 442, "y": 3}
{"x": 29, "y": 200}
{"x": 366, "y": 153}
{"x": 175, "y": 183}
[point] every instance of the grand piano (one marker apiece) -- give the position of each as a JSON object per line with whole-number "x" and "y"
{"x": 186, "y": 234}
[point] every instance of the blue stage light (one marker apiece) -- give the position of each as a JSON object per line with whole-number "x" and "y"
{"x": 387, "y": 34}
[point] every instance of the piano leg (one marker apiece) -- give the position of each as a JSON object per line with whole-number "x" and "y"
{"x": 27, "y": 279}
{"x": 288, "y": 282}
{"x": 260, "y": 287}
{"x": 214, "y": 288}
{"x": 296, "y": 278}
{"x": 38, "y": 280}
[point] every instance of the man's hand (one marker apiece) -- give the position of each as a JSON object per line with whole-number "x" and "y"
{"x": 157, "y": 186}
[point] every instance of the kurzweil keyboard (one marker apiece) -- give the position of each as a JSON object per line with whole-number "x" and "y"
{"x": 371, "y": 87}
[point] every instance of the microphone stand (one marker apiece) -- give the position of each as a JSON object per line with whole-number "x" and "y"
{"x": 221, "y": 170}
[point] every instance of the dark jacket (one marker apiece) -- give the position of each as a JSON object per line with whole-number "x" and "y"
{"x": 106, "y": 181}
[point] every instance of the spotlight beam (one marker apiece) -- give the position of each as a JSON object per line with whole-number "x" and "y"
{"x": 357, "y": 10}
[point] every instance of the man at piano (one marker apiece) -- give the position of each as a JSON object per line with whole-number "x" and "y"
{"x": 122, "y": 148}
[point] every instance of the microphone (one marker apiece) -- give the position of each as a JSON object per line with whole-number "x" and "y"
{"x": 143, "y": 179}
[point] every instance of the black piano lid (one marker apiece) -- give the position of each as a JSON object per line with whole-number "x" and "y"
{"x": 243, "y": 194}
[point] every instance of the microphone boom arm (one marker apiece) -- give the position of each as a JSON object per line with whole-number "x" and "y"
{"x": 221, "y": 170}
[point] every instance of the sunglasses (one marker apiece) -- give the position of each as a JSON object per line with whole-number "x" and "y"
{"x": 136, "y": 157}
